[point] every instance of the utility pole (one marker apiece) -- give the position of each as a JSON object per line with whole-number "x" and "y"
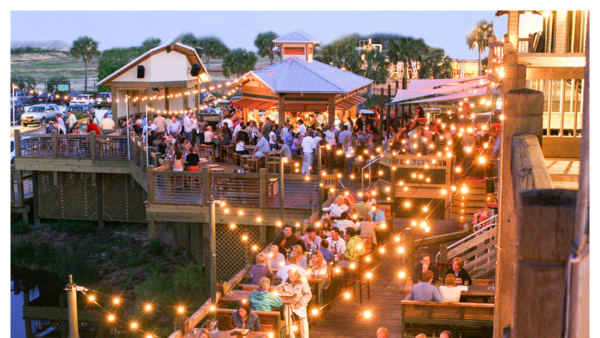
{"x": 72, "y": 289}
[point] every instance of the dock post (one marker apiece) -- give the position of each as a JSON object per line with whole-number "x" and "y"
{"x": 72, "y": 303}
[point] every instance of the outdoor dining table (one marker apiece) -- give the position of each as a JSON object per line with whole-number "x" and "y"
{"x": 241, "y": 295}
{"x": 249, "y": 334}
{"x": 485, "y": 292}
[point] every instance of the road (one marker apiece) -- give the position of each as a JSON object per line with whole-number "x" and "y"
{"x": 99, "y": 115}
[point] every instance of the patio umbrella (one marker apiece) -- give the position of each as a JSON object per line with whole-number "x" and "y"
{"x": 222, "y": 101}
{"x": 366, "y": 112}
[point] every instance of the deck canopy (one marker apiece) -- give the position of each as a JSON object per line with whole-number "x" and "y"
{"x": 431, "y": 90}
{"x": 295, "y": 85}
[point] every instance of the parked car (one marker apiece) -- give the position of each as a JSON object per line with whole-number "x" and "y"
{"x": 24, "y": 96}
{"x": 81, "y": 110}
{"x": 84, "y": 99}
{"x": 67, "y": 98}
{"x": 44, "y": 98}
{"x": 208, "y": 99}
{"x": 104, "y": 99}
{"x": 19, "y": 109}
{"x": 39, "y": 113}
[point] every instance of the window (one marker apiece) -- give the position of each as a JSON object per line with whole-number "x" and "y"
{"x": 293, "y": 50}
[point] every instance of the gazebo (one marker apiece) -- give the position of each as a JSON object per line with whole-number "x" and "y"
{"x": 298, "y": 83}
{"x": 165, "y": 78}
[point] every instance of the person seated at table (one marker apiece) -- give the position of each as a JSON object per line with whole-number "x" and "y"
{"x": 203, "y": 333}
{"x": 262, "y": 147}
{"x": 450, "y": 293}
{"x": 192, "y": 160}
{"x": 446, "y": 334}
{"x": 345, "y": 223}
{"x": 75, "y": 129}
{"x": 225, "y": 323}
{"x": 382, "y": 332}
{"x": 239, "y": 145}
{"x": 261, "y": 269}
{"x": 337, "y": 245}
{"x": 325, "y": 229}
{"x": 311, "y": 240}
{"x": 354, "y": 247}
{"x": 376, "y": 214}
{"x": 223, "y": 138}
{"x": 291, "y": 239}
{"x": 367, "y": 228}
{"x": 280, "y": 241}
{"x": 263, "y": 300}
{"x": 317, "y": 261}
{"x": 245, "y": 319}
{"x": 324, "y": 250}
{"x": 302, "y": 295}
{"x": 338, "y": 207}
{"x": 370, "y": 200}
{"x": 297, "y": 250}
{"x": 425, "y": 291}
{"x": 349, "y": 198}
{"x": 461, "y": 275}
{"x": 285, "y": 150}
{"x": 292, "y": 263}
{"x": 361, "y": 208}
{"x": 423, "y": 266}
{"x": 178, "y": 160}
{"x": 92, "y": 126}
{"x": 275, "y": 259}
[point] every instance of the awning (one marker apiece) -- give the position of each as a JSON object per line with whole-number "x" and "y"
{"x": 457, "y": 96}
{"x": 461, "y": 85}
{"x": 253, "y": 104}
{"x": 301, "y": 107}
{"x": 350, "y": 102}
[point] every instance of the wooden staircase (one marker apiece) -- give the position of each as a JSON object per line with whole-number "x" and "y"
{"x": 464, "y": 207}
{"x": 478, "y": 250}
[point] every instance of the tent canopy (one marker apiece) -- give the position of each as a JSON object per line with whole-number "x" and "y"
{"x": 424, "y": 88}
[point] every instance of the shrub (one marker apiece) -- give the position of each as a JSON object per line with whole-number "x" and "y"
{"x": 19, "y": 227}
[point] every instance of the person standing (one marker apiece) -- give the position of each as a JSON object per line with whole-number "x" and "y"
{"x": 70, "y": 120}
{"x": 330, "y": 135}
{"x": 267, "y": 127}
{"x": 308, "y": 143}
{"x": 187, "y": 126}
{"x": 61, "y": 124}
{"x": 160, "y": 122}
{"x": 301, "y": 127}
{"x": 174, "y": 126}
{"x": 302, "y": 295}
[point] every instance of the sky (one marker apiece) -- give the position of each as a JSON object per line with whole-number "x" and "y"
{"x": 440, "y": 29}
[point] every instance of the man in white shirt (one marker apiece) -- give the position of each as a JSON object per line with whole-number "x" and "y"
{"x": 70, "y": 120}
{"x": 337, "y": 245}
{"x": 107, "y": 125}
{"x": 319, "y": 119}
{"x": 237, "y": 128}
{"x": 262, "y": 146}
{"x": 344, "y": 223}
{"x": 330, "y": 135}
{"x": 160, "y": 122}
{"x": 318, "y": 139}
{"x": 307, "y": 152}
{"x": 147, "y": 128}
{"x": 187, "y": 126}
{"x": 292, "y": 263}
{"x": 302, "y": 127}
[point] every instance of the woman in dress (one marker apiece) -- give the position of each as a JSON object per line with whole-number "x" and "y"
{"x": 178, "y": 160}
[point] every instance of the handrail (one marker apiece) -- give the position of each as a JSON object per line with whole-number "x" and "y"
{"x": 369, "y": 162}
{"x": 478, "y": 232}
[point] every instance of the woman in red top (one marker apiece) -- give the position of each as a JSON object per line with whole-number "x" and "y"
{"x": 93, "y": 127}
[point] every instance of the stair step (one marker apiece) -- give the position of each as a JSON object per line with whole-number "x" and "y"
{"x": 466, "y": 210}
{"x": 472, "y": 204}
{"x": 476, "y": 197}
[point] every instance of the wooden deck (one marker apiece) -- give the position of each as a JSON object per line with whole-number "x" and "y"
{"x": 564, "y": 173}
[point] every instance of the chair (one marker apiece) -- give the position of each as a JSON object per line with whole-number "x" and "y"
{"x": 273, "y": 162}
{"x": 226, "y": 151}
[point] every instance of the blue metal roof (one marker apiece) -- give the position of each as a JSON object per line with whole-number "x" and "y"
{"x": 297, "y": 37}
{"x": 298, "y": 76}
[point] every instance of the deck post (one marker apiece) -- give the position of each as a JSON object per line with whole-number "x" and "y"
{"x": 281, "y": 190}
{"x": 409, "y": 247}
{"x": 443, "y": 253}
{"x": 17, "y": 134}
{"x": 523, "y": 110}
{"x": 281, "y": 108}
{"x": 331, "y": 105}
{"x": 381, "y": 117}
{"x": 54, "y": 136}
{"x": 448, "y": 183}
{"x": 205, "y": 186}
{"x": 262, "y": 185}
{"x": 393, "y": 186}
{"x": 20, "y": 190}
{"x": 99, "y": 199}
{"x": 213, "y": 250}
{"x": 319, "y": 182}
{"x": 388, "y": 114}
{"x": 152, "y": 232}
{"x": 92, "y": 145}
{"x": 36, "y": 199}
{"x": 72, "y": 310}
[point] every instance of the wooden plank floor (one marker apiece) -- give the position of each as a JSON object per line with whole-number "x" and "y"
{"x": 345, "y": 319}
{"x": 564, "y": 173}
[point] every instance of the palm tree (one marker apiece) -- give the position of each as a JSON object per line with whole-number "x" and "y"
{"x": 341, "y": 53}
{"x": 238, "y": 62}
{"x": 375, "y": 66}
{"x": 436, "y": 64}
{"x": 85, "y": 48}
{"x": 213, "y": 48}
{"x": 407, "y": 50}
{"x": 479, "y": 37}
{"x": 264, "y": 43}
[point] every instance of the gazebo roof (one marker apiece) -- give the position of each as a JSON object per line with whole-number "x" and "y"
{"x": 297, "y": 37}
{"x": 298, "y": 76}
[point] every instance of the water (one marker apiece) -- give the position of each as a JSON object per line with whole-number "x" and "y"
{"x": 17, "y": 324}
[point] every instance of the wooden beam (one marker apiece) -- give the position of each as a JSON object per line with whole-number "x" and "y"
{"x": 555, "y": 73}
{"x": 552, "y": 59}
{"x": 542, "y": 254}
{"x": 281, "y": 108}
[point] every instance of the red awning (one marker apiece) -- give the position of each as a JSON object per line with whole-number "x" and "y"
{"x": 253, "y": 104}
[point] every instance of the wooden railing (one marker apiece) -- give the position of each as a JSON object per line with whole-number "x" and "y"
{"x": 88, "y": 146}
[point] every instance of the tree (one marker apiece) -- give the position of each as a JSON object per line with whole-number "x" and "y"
{"x": 189, "y": 39}
{"x": 406, "y": 50}
{"x": 24, "y": 82}
{"x": 238, "y": 62}
{"x": 479, "y": 37}
{"x": 341, "y": 53}
{"x": 375, "y": 66}
{"x": 113, "y": 59}
{"x": 435, "y": 64}
{"x": 213, "y": 48}
{"x": 264, "y": 43}
{"x": 85, "y": 48}
{"x": 149, "y": 43}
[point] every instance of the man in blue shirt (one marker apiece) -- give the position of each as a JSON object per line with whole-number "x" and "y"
{"x": 262, "y": 146}
{"x": 424, "y": 291}
{"x": 377, "y": 216}
{"x": 288, "y": 138}
{"x": 343, "y": 134}
{"x": 328, "y": 255}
